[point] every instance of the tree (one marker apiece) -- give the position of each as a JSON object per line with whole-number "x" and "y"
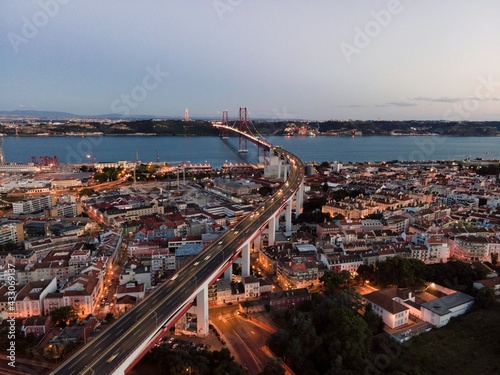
{"x": 347, "y": 338}
{"x": 485, "y": 298}
{"x": 313, "y": 204}
{"x": 400, "y": 271}
{"x": 374, "y": 322}
{"x": 63, "y": 315}
{"x": 365, "y": 272}
{"x": 494, "y": 258}
{"x": 87, "y": 192}
{"x": 324, "y": 165}
{"x": 9, "y": 246}
{"x": 452, "y": 274}
{"x": 109, "y": 317}
{"x": 265, "y": 191}
{"x": 334, "y": 281}
{"x": 273, "y": 367}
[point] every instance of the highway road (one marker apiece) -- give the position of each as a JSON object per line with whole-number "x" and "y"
{"x": 245, "y": 339}
{"x": 104, "y": 353}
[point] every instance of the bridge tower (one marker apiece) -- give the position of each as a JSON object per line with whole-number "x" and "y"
{"x": 224, "y": 133}
{"x": 243, "y": 127}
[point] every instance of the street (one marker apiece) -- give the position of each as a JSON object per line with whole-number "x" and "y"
{"x": 245, "y": 340}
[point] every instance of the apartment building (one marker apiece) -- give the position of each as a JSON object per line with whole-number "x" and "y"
{"x": 11, "y": 232}
{"x": 30, "y": 299}
{"x": 32, "y": 205}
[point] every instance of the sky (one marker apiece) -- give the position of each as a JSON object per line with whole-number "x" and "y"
{"x": 282, "y": 59}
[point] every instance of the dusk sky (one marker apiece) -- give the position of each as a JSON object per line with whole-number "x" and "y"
{"x": 281, "y": 59}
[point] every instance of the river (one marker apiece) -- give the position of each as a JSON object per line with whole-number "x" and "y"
{"x": 216, "y": 151}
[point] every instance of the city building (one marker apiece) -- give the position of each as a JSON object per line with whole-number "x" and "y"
{"x": 32, "y": 205}
{"x": 30, "y": 299}
{"x": 11, "y": 232}
{"x": 289, "y": 298}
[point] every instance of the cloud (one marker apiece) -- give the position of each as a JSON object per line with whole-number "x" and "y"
{"x": 396, "y": 104}
{"x": 451, "y": 100}
{"x": 353, "y": 106}
{"x": 444, "y": 99}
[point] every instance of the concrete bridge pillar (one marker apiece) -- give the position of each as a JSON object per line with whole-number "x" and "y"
{"x": 272, "y": 226}
{"x": 299, "y": 199}
{"x": 228, "y": 272}
{"x": 245, "y": 259}
{"x": 285, "y": 170}
{"x": 288, "y": 216}
{"x": 257, "y": 242}
{"x": 201, "y": 310}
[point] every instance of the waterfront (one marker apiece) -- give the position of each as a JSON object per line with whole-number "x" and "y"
{"x": 216, "y": 151}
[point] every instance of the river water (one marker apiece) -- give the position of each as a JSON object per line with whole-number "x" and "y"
{"x": 217, "y": 151}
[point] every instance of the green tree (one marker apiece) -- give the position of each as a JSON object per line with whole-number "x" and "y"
{"x": 401, "y": 272}
{"x": 494, "y": 258}
{"x": 9, "y": 246}
{"x": 109, "y": 317}
{"x": 87, "y": 192}
{"x": 313, "y": 204}
{"x": 63, "y": 315}
{"x": 365, "y": 272}
{"x": 273, "y": 367}
{"x": 452, "y": 274}
{"x": 324, "y": 165}
{"x": 334, "y": 281}
{"x": 485, "y": 298}
{"x": 265, "y": 191}
{"x": 374, "y": 322}
{"x": 347, "y": 337}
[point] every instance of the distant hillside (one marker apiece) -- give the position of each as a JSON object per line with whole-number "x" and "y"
{"x": 476, "y": 128}
{"x": 175, "y": 127}
{"x": 54, "y": 115}
{"x": 161, "y": 127}
{"x": 37, "y": 114}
